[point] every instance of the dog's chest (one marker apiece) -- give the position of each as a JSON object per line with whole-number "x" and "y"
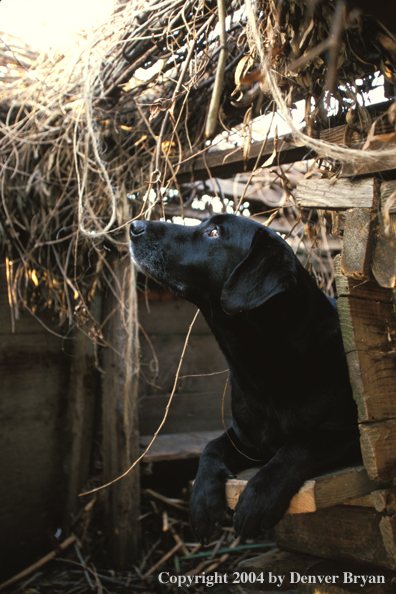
{"x": 257, "y": 420}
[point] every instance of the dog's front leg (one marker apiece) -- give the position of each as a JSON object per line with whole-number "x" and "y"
{"x": 219, "y": 462}
{"x": 268, "y": 493}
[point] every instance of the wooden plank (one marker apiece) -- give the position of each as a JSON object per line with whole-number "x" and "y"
{"x": 188, "y": 412}
{"x": 388, "y": 532}
{"x": 358, "y": 243}
{"x": 366, "y": 325}
{"x": 366, "y": 314}
{"x": 382, "y": 500}
{"x": 226, "y": 163}
{"x": 340, "y": 533}
{"x": 165, "y": 314}
{"x": 320, "y": 492}
{"x": 376, "y": 164}
{"x": 281, "y": 570}
{"x": 369, "y": 334}
{"x": 176, "y": 446}
{"x": 373, "y": 379}
{"x": 384, "y": 254}
{"x": 339, "y": 194}
{"x": 84, "y": 386}
{"x": 367, "y": 289}
{"x": 204, "y": 368}
{"x": 378, "y": 444}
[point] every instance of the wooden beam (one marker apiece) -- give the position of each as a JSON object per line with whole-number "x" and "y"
{"x": 340, "y": 533}
{"x": 226, "y": 163}
{"x": 378, "y": 163}
{"x": 382, "y": 500}
{"x": 336, "y": 194}
{"x": 318, "y": 493}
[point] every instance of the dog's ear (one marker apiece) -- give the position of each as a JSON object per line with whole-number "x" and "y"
{"x": 268, "y": 269}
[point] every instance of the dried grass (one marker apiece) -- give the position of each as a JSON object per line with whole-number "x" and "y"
{"x": 87, "y": 144}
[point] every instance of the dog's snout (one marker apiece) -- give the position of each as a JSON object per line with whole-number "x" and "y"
{"x": 137, "y": 228}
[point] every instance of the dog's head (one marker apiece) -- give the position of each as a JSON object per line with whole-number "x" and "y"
{"x": 226, "y": 259}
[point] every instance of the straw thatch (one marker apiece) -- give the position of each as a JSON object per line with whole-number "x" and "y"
{"x": 94, "y": 137}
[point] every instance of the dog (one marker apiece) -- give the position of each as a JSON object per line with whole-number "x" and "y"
{"x": 292, "y": 407}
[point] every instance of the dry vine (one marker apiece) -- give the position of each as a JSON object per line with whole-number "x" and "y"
{"x": 95, "y": 137}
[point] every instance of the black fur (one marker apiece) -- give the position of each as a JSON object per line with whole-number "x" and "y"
{"x": 292, "y": 406}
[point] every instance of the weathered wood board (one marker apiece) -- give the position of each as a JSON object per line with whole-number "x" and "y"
{"x": 340, "y": 533}
{"x": 358, "y": 242}
{"x": 370, "y": 225}
{"x": 382, "y": 500}
{"x": 281, "y": 570}
{"x": 176, "y": 446}
{"x": 318, "y": 493}
{"x": 340, "y": 194}
{"x": 383, "y": 263}
{"x": 373, "y": 378}
{"x": 226, "y": 163}
{"x": 196, "y": 405}
{"x": 368, "y": 326}
{"x": 35, "y": 441}
{"x": 378, "y": 444}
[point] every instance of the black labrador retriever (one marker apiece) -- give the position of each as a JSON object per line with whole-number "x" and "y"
{"x": 292, "y": 406}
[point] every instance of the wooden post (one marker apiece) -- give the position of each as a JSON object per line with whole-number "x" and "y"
{"x": 120, "y": 415}
{"x": 83, "y": 387}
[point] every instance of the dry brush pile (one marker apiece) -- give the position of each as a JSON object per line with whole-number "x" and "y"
{"x": 94, "y": 137}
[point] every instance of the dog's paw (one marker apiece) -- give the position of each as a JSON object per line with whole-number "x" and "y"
{"x": 207, "y": 508}
{"x": 259, "y": 508}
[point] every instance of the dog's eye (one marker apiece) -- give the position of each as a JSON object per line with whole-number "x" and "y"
{"x": 213, "y": 232}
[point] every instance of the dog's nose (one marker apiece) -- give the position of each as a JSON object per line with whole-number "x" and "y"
{"x": 137, "y": 228}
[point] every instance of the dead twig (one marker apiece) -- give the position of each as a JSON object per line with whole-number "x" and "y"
{"x": 62, "y": 547}
{"x": 163, "y": 559}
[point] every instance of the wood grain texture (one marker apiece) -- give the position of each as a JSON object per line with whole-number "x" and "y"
{"x": 120, "y": 441}
{"x": 358, "y": 243}
{"x": 340, "y": 194}
{"x": 318, "y": 493}
{"x": 378, "y": 444}
{"x": 176, "y": 446}
{"x": 383, "y": 263}
{"x": 196, "y": 406}
{"x": 340, "y": 533}
{"x": 373, "y": 379}
{"x": 368, "y": 327}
